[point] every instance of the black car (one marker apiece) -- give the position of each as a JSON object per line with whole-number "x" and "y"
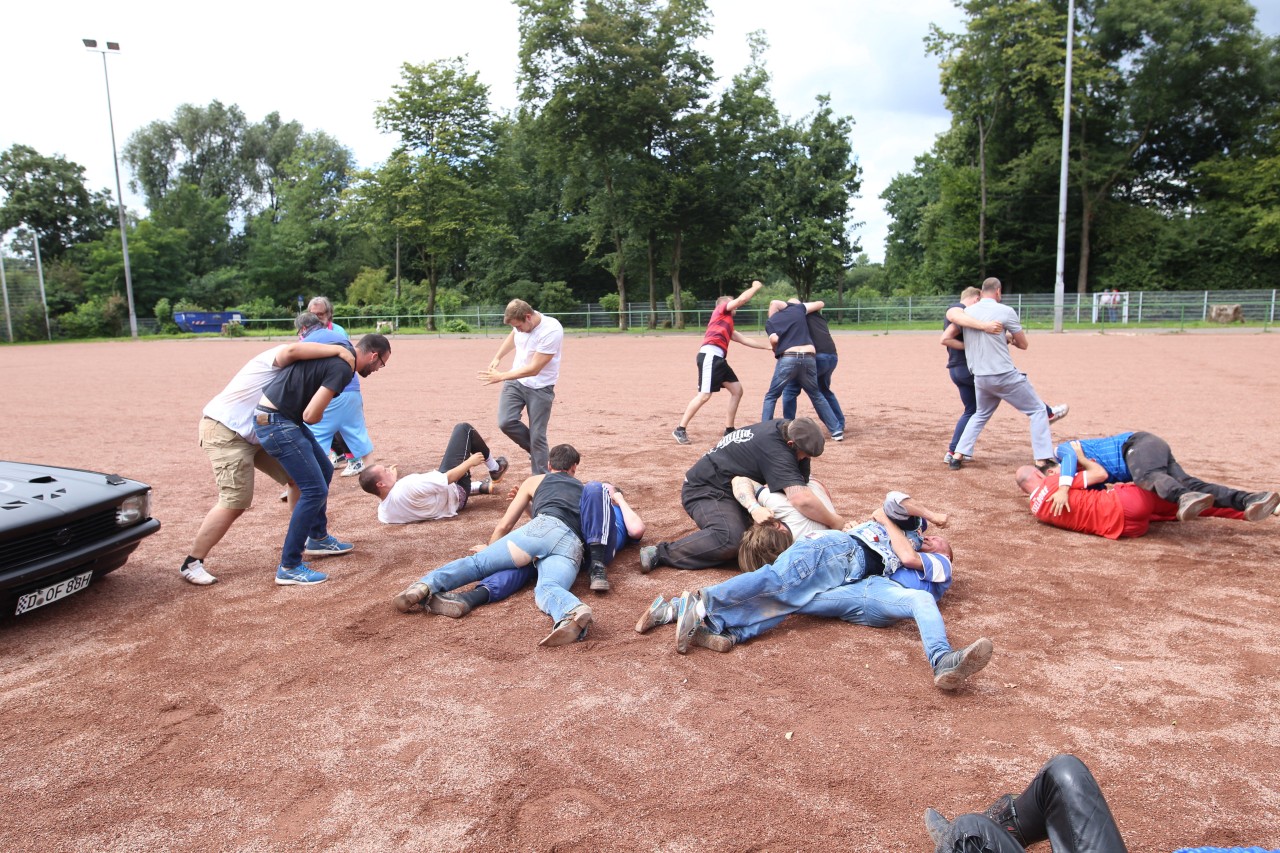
{"x": 60, "y": 528}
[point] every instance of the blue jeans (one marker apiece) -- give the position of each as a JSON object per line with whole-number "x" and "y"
{"x": 302, "y": 458}
{"x": 827, "y": 362}
{"x": 555, "y": 550}
{"x": 878, "y": 603}
{"x": 804, "y": 370}
{"x": 963, "y": 380}
{"x": 753, "y": 602}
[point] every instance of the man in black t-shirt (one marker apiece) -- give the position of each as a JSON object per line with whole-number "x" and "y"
{"x": 788, "y": 329}
{"x": 297, "y": 396}
{"x": 774, "y": 452}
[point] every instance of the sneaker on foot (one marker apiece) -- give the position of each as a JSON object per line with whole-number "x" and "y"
{"x": 444, "y": 603}
{"x": 284, "y": 496}
{"x": 416, "y": 594}
{"x": 355, "y": 466}
{"x": 1191, "y": 504}
{"x": 196, "y": 574}
{"x": 648, "y": 558}
{"x": 956, "y": 461}
{"x": 503, "y": 465}
{"x": 946, "y": 460}
{"x": 336, "y": 458}
{"x": 299, "y": 575}
{"x": 1261, "y": 504}
{"x": 327, "y": 547}
{"x": 661, "y": 612}
{"x": 1057, "y": 413}
{"x": 711, "y": 640}
{"x": 688, "y": 622}
{"x": 838, "y": 435}
{"x": 1043, "y": 465}
{"x": 599, "y": 579}
{"x": 570, "y": 629}
{"x": 954, "y": 667}
{"x": 680, "y": 435}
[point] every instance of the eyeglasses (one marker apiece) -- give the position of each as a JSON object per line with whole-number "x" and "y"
{"x": 382, "y": 359}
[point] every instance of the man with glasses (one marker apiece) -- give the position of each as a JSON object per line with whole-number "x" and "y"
{"x": 344, "y": 416}
{"x": 294, "y": 399}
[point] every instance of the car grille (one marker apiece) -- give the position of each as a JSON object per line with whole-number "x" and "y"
{"x": 56, "y": 540}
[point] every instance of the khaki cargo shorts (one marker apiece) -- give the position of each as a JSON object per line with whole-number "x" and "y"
{"x": 233, "y": 461}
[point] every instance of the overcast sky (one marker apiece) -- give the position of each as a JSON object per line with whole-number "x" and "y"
{"x": 328, "y": 65}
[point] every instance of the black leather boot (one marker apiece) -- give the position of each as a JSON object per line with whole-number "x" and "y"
{"x": 1003, "y": 813}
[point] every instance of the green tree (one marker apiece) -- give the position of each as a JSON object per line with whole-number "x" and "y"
{"x": 201, "y": 146}
{"x": 47, "y": 195}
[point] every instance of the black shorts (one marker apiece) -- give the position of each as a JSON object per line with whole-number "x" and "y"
{"x": 713, "y": 371}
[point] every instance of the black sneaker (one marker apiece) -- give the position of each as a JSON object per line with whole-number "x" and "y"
{"x": 954, "y": 667}
{"x": 599, "y": 580}
{"x": 730, "y": 430}
{"x": 503, "y": 464}
{"x": 680, "y": 435}
{"x": 955, "y": 462}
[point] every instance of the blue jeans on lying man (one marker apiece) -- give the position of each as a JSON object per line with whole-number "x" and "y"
{"x": 302, "y": 458}
{"x": 555, "y": 550}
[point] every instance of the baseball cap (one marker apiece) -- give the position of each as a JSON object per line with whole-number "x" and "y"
{"x": 806, "y": 436}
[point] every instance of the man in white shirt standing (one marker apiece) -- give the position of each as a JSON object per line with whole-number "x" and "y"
{"x": 989, "y": 327}
{"x": 531, "y": 381}
{"x": 227, "y": 437}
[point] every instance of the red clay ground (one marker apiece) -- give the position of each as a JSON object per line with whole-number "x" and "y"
{"x": 148, "y": 714}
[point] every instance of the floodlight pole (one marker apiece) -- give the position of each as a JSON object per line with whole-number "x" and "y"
{"x": 114, "y": 47}
{"x": 4, "y": 287}
{"x": 44, "y": 300}
{"x": 1059, "y": 285}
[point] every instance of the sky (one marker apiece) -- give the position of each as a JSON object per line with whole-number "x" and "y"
{"x": 328, "y": 66}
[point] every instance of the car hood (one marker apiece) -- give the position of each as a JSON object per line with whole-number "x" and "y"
{"x": 31, "y": 493}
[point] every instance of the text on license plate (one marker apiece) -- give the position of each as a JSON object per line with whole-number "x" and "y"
{"x": 41, "y": 597}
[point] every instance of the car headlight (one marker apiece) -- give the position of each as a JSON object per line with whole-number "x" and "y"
{"x": 133, "y": 510}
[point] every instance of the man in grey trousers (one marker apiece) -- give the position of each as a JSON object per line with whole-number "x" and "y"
{"x": 531, "y": 381}
{"x": 989, "y": 327}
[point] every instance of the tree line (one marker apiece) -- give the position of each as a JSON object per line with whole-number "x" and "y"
{"x": 624, "y": 174}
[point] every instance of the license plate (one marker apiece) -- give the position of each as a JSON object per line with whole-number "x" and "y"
{"x": 41, "y": 597}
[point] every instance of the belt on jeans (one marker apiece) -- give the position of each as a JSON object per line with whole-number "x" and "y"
{"x": 796, "y": 355}
{"x": 262, "y": 418}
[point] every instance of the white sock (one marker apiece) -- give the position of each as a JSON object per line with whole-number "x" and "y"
{"x": 491, "y": 464}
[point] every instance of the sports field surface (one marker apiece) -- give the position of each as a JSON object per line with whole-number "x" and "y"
{"x": 149, "y": 714}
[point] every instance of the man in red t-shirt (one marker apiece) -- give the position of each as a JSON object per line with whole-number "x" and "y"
{"x": 1123, "y": 511}
{"x": 714, "y": 371}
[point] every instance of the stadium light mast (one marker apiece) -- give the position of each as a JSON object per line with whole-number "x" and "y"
{"x": 4, "y": 287}
{"x": 114, "y": 47}
{"x": 1059, "y": 285}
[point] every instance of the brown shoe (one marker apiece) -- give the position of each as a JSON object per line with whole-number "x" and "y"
{"x": 1191, "y": 504}
{"x": 715, "y": 642}
{"x": 409, "y": 600}
{"x": 448, "y": 604}
{"x": 570, "y": 629}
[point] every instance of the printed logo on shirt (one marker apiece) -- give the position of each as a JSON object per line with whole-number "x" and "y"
{"x": 738, "y": 436}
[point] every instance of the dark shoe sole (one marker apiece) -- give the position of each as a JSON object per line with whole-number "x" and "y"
{"x": 454, "y": 608}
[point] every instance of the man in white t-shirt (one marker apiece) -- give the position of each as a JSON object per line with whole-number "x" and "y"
{"x": 436, "y": 494}
{"x": 531, "y": 381}
{"x": 226, "y": 435}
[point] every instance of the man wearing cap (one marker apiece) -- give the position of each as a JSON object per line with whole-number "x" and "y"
{"x": 774, "y": 452}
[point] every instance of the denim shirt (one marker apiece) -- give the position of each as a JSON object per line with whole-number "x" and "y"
{"x": 874, "y": 536}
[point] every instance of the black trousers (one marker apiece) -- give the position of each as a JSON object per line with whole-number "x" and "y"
{"x": 463, "y": 441}
{"x": 1152, "y": 466}
{"x": 1063, "y": 804}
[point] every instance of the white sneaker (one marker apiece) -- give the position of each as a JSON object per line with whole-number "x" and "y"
{"x": 195, "y": 573}
{"x": 354, "y": 467}
{"x": 1059, "y": 412}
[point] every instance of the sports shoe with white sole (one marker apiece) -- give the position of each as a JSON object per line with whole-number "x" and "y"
{"x": 1057, "y": 413}
{"x": 329, "y": 546}
{"x": 354, "y": 467}
{"x": 648, "y": 558}
{"x": 688, "y": 620}
{"x": 299, "y": 575}
{"x": 661, "y": 612}
{"x": 1261, "y": 504}
{"x": 680, "y": 435}
{"x": 195, "y": 573}
{"x": 1191, "y": 504}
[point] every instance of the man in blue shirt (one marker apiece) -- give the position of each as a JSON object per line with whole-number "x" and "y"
{"x": 1145, "y": 459}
